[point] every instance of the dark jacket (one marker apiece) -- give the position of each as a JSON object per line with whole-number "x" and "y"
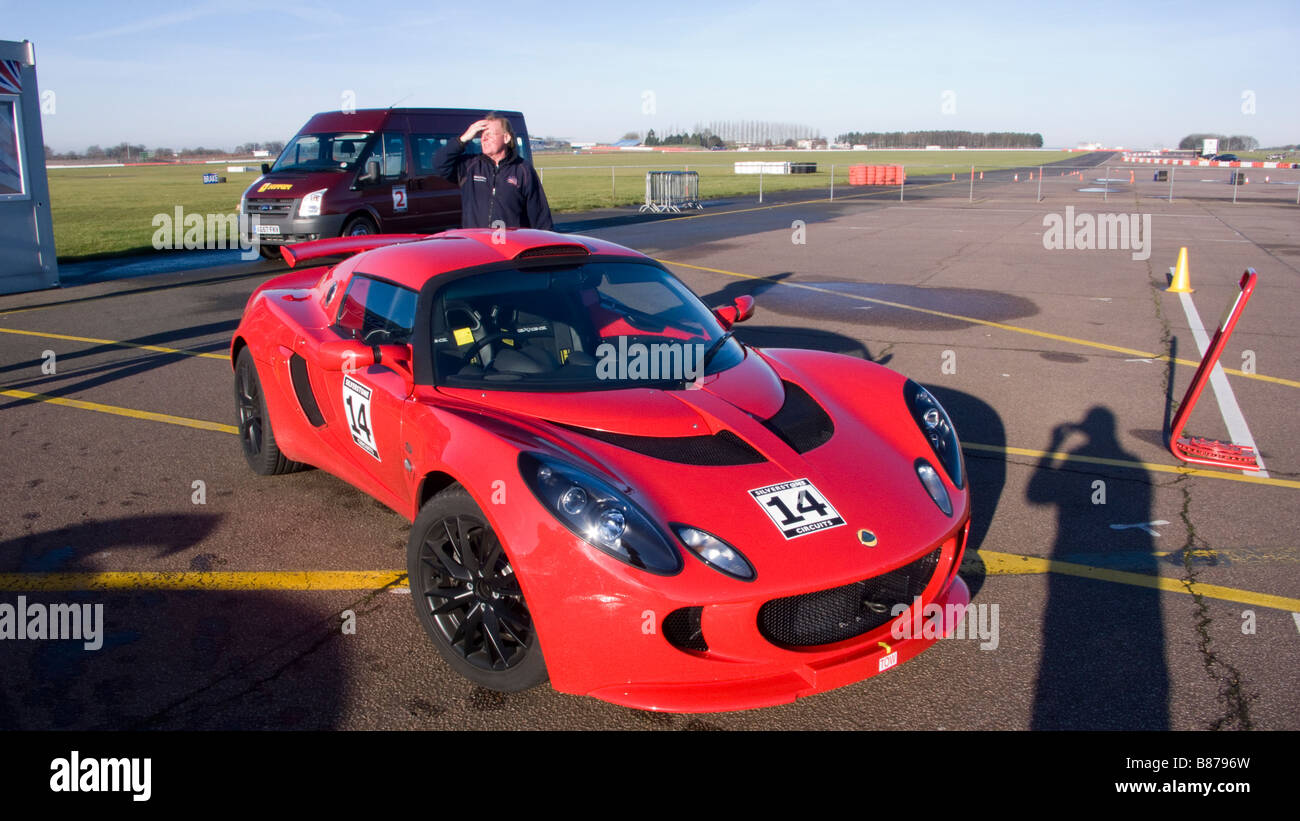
{"x": 510, "y": 192}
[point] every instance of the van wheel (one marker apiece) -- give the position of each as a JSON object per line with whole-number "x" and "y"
{"x": 359, "y": 227}
{"x": 269, "y": 251}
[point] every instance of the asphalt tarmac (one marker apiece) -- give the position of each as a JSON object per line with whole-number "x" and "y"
{"x": 1129, "y": 593}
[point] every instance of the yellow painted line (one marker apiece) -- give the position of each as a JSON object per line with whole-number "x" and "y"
{"x": 120, "y": 411}
{"x": 1058, "y": 457}
{"x": 116, "y": 343}
{"x": 224, "y": 580}
{"x": 1132, "y": 352}
{"x": 1014, "y": 564}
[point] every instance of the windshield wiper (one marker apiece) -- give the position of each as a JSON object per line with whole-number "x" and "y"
{"x": 714, "y": 348}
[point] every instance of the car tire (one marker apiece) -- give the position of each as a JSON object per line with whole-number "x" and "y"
{"x": 467, "y": 596}
{"x": 269, "y": 251}
{"x": 359, "y": 227}
{"x": 256, "y": 437}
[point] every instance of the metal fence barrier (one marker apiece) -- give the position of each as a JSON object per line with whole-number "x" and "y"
{"x": 671, "y": 191}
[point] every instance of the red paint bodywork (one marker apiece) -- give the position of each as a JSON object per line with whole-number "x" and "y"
{"x": 598, "y": 620}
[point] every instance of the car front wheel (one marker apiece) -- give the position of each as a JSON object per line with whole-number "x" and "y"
{"x": 255, "y": 434}
{"x": 467, "y": 596}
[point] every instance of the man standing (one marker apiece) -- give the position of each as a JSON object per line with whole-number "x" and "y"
{"x": 497, "y": 185}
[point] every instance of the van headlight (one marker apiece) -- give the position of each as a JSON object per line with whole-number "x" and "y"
{"x": 312, "y": 204}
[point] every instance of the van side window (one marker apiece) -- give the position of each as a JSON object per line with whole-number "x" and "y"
{"x": 390, "y": 152}
{"x": 394, "y": 164}
{"x": 426, "y": 145}
{"x": 372, "y": 305}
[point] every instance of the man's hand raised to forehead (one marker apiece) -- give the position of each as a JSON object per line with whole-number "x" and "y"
{"x": 473, "y": 130}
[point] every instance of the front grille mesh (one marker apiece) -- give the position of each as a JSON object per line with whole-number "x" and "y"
{"x": 828, "y": 616}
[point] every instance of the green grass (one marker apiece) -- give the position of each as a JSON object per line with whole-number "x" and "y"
{"x": 579, "y": 182}
{"x": 100, "y": 211}
{"x": 111, "y": 210}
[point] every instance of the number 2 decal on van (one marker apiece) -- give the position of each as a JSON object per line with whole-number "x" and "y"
{"x": 399, "y": 198}
{"x": 356, "y": 404}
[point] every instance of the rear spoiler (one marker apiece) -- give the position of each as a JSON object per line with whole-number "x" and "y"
{"x": 342, "y": 246}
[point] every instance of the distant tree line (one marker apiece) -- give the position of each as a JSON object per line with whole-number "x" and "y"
{"x": 943, "y": 139}
{"x": 1237, "y": 142}
{"x": 704, "y": 139}
{"x": 132, "y": 152}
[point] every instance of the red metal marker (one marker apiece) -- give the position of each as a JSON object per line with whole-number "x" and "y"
{"x": 1211, "y": 451}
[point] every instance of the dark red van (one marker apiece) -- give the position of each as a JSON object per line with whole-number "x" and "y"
{"x": 363, "y": 172}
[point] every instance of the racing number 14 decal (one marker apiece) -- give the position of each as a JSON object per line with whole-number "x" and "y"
{"x": 356, "y": 404}
{"x": 796, "y": 508}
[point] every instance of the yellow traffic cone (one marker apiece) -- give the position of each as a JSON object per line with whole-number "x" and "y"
{"x": 1181, "y": 284}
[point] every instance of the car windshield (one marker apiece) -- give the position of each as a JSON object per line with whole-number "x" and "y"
{"x": 322, "y": 152}
{"x": 597, "y": 326}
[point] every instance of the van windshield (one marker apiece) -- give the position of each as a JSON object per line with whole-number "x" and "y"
{"x": 322, "y": 152}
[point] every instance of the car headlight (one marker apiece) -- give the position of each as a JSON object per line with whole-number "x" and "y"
{"x": 598, "y": 514}
{"x": 312, "y": 204}
{"x": 934, "y": 485}
{"x": 716, "y": 553}
{"x": 938, "y": 431}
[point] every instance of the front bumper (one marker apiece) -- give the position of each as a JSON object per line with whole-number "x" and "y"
{"x": 825, "y": 671}
{"x": 278, "y": 229}
{"x": 619, "y": 645}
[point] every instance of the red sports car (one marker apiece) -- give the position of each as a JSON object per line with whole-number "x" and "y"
{"x": 608, "y": 488}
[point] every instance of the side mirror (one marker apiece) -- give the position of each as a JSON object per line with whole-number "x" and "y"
{"x": 352, "y": 355}
{"x": 346, "y": 355}
{"x": 740, "y": 309}
{"x": 371, "y": 174}
{"x": 266, "y": 168}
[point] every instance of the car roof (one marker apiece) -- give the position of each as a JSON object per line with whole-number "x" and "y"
{"x": 412, "y": 264}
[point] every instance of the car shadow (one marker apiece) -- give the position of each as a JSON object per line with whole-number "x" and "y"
{"x": 170, "y": 659}
{"x": 977, "y": 422}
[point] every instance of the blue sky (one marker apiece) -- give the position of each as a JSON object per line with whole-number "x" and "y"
{"x": 223, "y": 73}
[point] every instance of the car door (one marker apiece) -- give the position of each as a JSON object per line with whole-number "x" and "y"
{"x": 368, "y": 401}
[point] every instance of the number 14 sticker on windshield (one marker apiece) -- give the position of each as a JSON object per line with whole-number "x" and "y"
{"x": 797, "y": 508}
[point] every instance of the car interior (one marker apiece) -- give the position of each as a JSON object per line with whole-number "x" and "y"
{"x": 537, "y": 326}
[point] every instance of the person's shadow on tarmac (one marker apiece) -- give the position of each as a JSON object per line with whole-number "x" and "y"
{"x": 1103, "y": 660}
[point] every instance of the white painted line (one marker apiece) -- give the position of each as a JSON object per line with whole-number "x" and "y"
{"x": 1238, "y": 430}
{"x": 1296, "y": 616}
{"x": 1149, "y": 527}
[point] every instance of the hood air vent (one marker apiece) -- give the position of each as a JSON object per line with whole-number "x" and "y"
{"x": 722, "y": 449}
{"x": 801, "y": 423}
